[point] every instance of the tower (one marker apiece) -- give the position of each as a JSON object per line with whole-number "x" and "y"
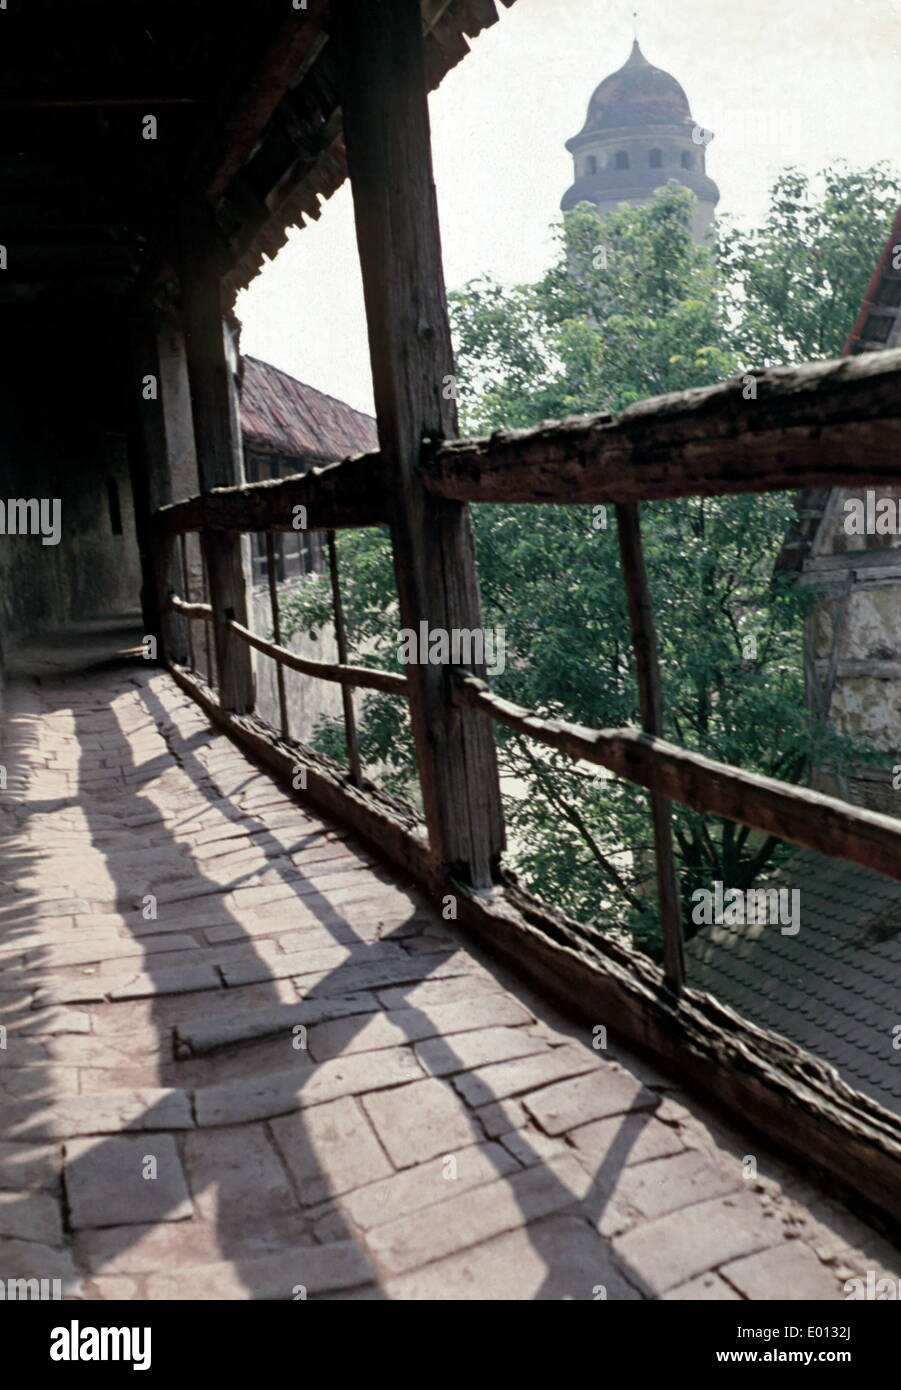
{"x": 639, "y": 133}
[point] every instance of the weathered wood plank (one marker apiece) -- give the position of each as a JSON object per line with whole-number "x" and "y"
{"x": 361, "y": 676}
{"x": 350, "y": 721}
{"x": 191, "y": 610}
{"x": 276, "y": 620}
{"x": 650, "y": 694}
{"x": 389, "y": 159}
{"x": 797, "y": 1103}
{"x": 233, "y": 136}
{"x": 817, "y": 425}
{"x": 153, "y": 466}
{"x": 797, "y": 814}
{"x": 351, "y": 493}
{"x": 219, "y": 456}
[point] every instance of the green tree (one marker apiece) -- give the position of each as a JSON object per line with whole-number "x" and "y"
{"x": 795, "y": 283}
{"x": 630, "y": 308}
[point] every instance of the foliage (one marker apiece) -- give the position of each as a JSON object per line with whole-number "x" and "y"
{"x": 630, "y": 308}
{"x": 796, "y": 282}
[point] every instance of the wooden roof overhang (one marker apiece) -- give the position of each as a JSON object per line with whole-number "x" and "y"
{"x": 247, "y": 104}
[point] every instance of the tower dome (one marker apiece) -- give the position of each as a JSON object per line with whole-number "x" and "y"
{"x": 637, "y": 94}
{"x": 639, "y": 133}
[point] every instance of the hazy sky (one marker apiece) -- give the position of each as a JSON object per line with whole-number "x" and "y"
{"x": 778, "y": 82}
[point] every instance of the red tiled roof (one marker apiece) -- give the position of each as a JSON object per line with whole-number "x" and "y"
{"x": 280, "y": 413}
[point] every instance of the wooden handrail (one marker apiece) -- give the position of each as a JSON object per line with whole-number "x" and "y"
{"x": 362, "y": 676}
{"x": 804, "y": 817}
{"x": 823, "y": 424}
{"x": 191, "y": 610}
{"x": 351, "y": 493}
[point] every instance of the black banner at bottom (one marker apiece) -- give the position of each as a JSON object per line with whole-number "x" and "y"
{"x": 87, "y": 1339}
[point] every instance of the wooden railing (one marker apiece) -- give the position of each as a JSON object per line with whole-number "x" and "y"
{"x": 833, "y": 423}
{"x": 178, "y": 520}
{"x": 825, "y": 424}
{"x": 814, "y": 409}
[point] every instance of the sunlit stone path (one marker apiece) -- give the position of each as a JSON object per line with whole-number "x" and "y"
{"x": 243, "y": 1060}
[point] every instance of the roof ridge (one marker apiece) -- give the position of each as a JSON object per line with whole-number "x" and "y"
{"x": 326, "y": 395}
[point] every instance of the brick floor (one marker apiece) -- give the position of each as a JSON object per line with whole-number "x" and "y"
{"x": 242, "y": 1062}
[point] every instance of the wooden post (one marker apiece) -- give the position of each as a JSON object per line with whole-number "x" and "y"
{"x": 386, "y": 128}
{"x": 211, "y": 675}
{"x": 350, "y": 722}
{"x": 148, "y": 430}
{"x": 276, "y": 631}
{"x": 644, "y": 643}
{"x": 219, "y": 456}
{"x": 186, "y": 592}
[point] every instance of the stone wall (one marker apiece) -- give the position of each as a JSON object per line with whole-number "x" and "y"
{"x": 853, "y": 646}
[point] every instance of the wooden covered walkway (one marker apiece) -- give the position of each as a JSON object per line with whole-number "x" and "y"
{"x": 243, "y": 1061}
{"x": 240, "y": 1055}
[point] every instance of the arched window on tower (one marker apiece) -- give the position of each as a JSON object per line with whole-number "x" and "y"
{"x": 655, "y": 159}
{"x": 688, "y": 159}
{"x": 591, "y": 165}
{"x": 622, "y": 160}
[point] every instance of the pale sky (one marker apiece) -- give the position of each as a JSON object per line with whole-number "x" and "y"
{"x": 777, "y": 81}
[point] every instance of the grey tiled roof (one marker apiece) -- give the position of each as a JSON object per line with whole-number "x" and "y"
{"x": 835, "y": 987}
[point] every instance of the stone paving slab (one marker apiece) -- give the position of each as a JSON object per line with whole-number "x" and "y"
{"x": 419, "y": 1121}
{"x": 107, "y": 1113}
{"x": 163, "y": 1246}
{"x": 675, "y": 1248}
{"x": 705, "y": 1288}
{"x": 788, "y": 1271}
{"x": 27, "y": 1167}
{"x": 125, "y": 1181}
{"x": 472, "y": 1217}
{"x": 290, "y": 1274}
{"x": 31, "y": 1259}
{"x": 593, "y": 1097}
{"x": 281, "y": 1092}
{"x": 426, "y": 1185}
{"x": 209, "y": 1035}
{"x": 31, "y": 1216}
{"x": 337, "y": 1097}
{"x": 331, "y": 1150}
{"x": 558, "y": 1258}
{"x": 236, "y": 1174}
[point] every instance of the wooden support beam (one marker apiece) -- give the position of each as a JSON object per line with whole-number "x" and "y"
{"x": 350, "y": 721}
{"x": 386, "y": 127}
{"x": 234, "y": 134}
{"x": 41, "y": 103}
{"x": 174, "y": 600}
{"x": 820, "y": 425}
{"x": 352, "y": 493}
{"x": 151, "y": 470}
{"x": 275, "y": 615}
{"x": 650, "y": 694}
{"x": 797, "y": 814}
{"x": 219, "y": 458}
